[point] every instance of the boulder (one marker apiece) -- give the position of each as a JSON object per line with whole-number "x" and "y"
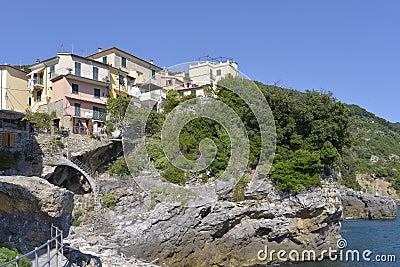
{"x": 367, "y": 206}
{"x": 28, "y": 208}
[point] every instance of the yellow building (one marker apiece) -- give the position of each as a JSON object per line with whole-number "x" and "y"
{"x": 14, "y": 94}
{"x": 121, "y": 83}
{"x": 40, "y": 85}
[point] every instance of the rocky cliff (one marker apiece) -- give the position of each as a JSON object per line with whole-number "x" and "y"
{"x": 367, "y": 206}
{"x": 225, "y": 233}
{"x": 28, "y": 208}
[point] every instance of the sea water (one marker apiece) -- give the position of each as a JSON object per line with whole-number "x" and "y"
{"x": 381, "y": 237}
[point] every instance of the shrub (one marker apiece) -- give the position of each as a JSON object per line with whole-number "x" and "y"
{"x": 8, "y": 254}
{"x": 75, "y": 218}
{"x": 240, "y": 188}
{"x": 174, "y": 175}
{"x": 95, "y": 137}
{"x": 109, "y": 201}
{"x": 60, "y": 144}
{"x": 119, "y": 167}
{"x": 7, "y": 160}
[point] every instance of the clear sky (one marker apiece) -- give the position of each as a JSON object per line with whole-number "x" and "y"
{"x": 348, "y": 47}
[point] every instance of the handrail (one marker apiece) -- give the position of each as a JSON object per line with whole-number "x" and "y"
{"x": 59, "y": 246}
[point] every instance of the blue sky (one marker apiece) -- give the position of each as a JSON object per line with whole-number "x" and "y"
{"x": 348, "y": 47}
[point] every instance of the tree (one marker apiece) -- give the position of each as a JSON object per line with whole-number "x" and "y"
{"x": 116, "y": 107}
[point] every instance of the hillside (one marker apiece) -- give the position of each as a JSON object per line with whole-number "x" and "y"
{"x": 375, "y": 147}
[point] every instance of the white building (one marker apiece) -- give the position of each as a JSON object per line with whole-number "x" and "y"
{"x": 212, "y": 70}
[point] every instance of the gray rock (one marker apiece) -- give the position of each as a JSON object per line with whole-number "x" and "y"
{"x": 224, "y": 233}
{"x": 28, "y": 208}
{"x": 367, "y": 206}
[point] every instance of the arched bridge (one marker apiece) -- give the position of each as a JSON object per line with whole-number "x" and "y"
{"x": 59, "y": 160}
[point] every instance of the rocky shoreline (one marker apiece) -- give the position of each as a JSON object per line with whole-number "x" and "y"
{"x": 357, "y": 205}
{"x": 140, "y": 229}
{"x": 225, "y": 233}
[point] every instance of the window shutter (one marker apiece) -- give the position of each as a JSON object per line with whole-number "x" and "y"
{"x": 12, "y": 139}
{"x": 4, "y": 139}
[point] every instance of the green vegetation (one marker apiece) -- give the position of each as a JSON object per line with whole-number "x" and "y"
{"x": 312, "y": 131}
{"x": 41, "y": 120}
{"x": 59, "y": 143}
{"x": 116, "y": 108}
{"x": 8, "y": 254}
{"x": 76, "y": 218}
{"x": 239, "y": 190}
{"x": 119, "y": 167}
{"x": 371, "y": 135}
{"x": 95, "y": 137}
{"x": 315, "y": 134}
{"x": 109, "y": 201}
{"x": 8, "y": 160}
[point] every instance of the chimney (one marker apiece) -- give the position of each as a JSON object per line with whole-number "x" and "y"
{"x": 100, "y": 49}
{"x": 37, "y": 60}
{"x": 151, "y": 61}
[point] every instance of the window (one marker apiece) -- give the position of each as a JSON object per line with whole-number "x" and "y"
{"x": 123, "y": 62}
{"x": 39, "y": 96}
{"x": 99, "y": 113}
{"x": 218, "y": 72}
{"x": 96, "y": 93}
{"x": 77, "y": 68}
{"x": 153, "y": 74}
{"x": 95, "y": 73}
{"x": 77, "y": 109}
{"x": 52, "y": 71}
{"x": 180, "y": 94}
{"x": 75, "y": 88}
{"x": 8, "y": 139}
{"x": 29, "y": 102}
{"x": 105, "y": 59}
{"x": 211, "y": 73}
{"x": 193, "y": 92}
{"x": 121, "y": 80}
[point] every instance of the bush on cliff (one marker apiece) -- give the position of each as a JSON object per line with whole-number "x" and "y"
{"x": 8, "y": 254}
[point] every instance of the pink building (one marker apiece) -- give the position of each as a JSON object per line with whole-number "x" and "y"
{"x": 83, "y": 103}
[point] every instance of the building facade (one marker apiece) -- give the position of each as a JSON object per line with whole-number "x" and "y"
{"x": 14, "y": 94}
{"x": 211, "y": 71}
{"x": 129, "y": 73}
{"x": 75, "y": 88}
{"x": 14, "y": 131}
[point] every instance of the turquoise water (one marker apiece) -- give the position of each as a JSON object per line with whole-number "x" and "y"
{"x": 382, "y": 237}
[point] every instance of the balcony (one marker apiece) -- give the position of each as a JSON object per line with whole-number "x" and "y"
{"x": 99, "y": 114}
{"x": 38, "y": 82}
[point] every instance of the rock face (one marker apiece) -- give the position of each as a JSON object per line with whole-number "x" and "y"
{"x": 28, "y": 207}
{"x": 367, "y": 206}
{"x": 225, "y": 233}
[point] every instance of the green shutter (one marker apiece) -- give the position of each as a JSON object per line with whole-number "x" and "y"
{"x": 77, "y": 109}
{"x": 95, "y": 73}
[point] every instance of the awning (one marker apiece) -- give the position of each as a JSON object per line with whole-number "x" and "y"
{"x": 35, "y": 71}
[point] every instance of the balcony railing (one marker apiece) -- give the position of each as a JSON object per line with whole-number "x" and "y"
{"x": 96, "y": 114}
{"x": 38, "y": 81}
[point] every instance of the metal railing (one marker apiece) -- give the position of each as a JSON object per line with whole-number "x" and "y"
{"x": 81, "y": 165}
{"x": 56, "y": 243}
